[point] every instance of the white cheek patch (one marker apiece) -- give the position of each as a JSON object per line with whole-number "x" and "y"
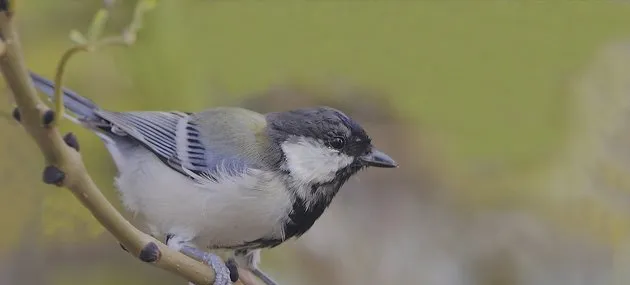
{"x": 310, "y": 161}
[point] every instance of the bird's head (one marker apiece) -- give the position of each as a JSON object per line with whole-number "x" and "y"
{"x": 322, "y": 145}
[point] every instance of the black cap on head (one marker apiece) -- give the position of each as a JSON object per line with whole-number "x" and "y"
{"x": 325, "y": 124}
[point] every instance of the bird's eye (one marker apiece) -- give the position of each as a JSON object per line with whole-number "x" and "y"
{"x": 337, "y": 142}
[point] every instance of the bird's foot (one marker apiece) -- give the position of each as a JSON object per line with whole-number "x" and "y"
{"x": 222, "y": 273}
{"x": 222, "y": 270}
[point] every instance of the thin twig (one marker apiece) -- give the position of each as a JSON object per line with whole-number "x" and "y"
{"x": 93, "y": 42}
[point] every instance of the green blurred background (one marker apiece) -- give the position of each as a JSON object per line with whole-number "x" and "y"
{"x": 508, "y": 119}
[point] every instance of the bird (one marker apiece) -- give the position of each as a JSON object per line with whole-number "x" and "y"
{"x": 225, "y": 177}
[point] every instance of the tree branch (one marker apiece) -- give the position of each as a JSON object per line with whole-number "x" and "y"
{"x": 66, "y": 169}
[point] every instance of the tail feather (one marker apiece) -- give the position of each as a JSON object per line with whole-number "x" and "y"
{"x": 75, "y": 103}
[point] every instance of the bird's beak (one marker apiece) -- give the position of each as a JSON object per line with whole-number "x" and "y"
{"x": 377, "y": 158}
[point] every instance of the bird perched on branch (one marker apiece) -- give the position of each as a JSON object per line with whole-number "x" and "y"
{"x": 227, "y": 178}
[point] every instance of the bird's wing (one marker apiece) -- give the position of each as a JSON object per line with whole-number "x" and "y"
{"x": 176, "y": 138}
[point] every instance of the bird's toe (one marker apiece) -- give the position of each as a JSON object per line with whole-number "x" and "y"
{"x": 222, "y": 272}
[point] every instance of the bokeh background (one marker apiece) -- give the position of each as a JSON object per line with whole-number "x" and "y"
{"x": 510, "y": 121}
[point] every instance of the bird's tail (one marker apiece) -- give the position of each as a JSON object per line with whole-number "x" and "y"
{"x": 82, "y": 107}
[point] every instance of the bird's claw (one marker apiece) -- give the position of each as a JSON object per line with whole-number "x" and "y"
{"x": 222, "y": 274}
{"x": 221, "y": 270}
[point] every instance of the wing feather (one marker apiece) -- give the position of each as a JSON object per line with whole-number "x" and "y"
{"x": 179, "y": 142}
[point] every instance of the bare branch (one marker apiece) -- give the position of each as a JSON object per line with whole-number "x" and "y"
{"x": 64, "y": 165}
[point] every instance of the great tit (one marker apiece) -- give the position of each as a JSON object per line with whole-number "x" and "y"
{"x": 227, "y": 177}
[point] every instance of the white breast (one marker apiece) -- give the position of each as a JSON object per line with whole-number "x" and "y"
{"x": 227, "y": 213}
